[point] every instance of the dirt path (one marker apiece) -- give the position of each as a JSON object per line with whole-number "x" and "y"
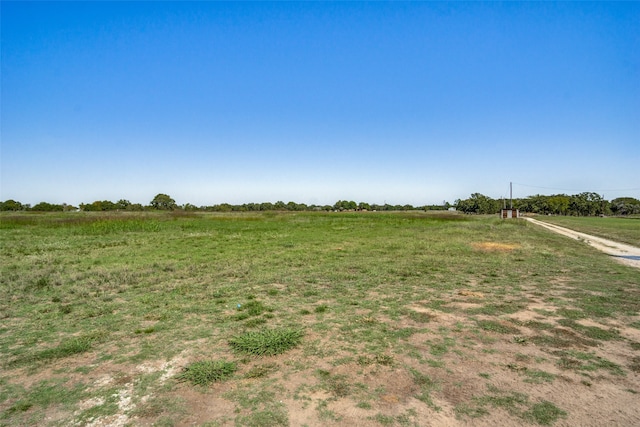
{"x": 626, "y": 254}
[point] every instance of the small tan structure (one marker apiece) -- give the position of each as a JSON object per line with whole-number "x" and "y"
{"x": 509, "y": 213}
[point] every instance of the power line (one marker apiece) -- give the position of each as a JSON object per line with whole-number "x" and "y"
{"x": 569, "y": 189}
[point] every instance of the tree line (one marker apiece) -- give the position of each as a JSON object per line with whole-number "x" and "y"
{"x": 583, "y": 204}
{"x": 167, "y": 203}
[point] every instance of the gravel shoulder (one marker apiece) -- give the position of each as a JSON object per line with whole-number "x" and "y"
{"x": 626, "y": 254}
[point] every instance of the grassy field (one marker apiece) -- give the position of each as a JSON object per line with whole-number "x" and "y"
{"x": 625, "y": 230}
{"x": 311, "y": 319}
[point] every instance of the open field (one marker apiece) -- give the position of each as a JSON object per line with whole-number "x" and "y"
{"x": 345, "y": 319}
{"x": 625, "y": 230}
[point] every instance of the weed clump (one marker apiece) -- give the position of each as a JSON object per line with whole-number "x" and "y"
{"x": 544, "y": 413}
{"x": 267, "y": 342}
{"x": 206, "y": 372}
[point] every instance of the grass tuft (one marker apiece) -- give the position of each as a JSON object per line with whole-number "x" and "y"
{"x": 544, "y": 413}
{"x": 206, "y": 372}
{"x": 497, "y": 326}
{"x": 268, "y": 342}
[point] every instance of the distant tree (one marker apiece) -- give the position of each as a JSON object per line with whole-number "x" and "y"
{"x": 163, "y": 202}
{"x": 478, "y": 204}
{"x": 11, "y": 205}
{"x": 99, "y": 205}
{"x": 587, "y": 204}
{"x": 292, "y": 206}
{"x": 122, "y": 204}
{"x": 47, "y": 207}
{"x": 559, "y": 204}
{"x": 625, "y": 206}
{"x": 362, "y": 206}
{"x": 345, "y": 205}
{"x": 266, "y": 206}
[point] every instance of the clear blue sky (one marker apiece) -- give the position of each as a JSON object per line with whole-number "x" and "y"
{"x": 412, "y": 102}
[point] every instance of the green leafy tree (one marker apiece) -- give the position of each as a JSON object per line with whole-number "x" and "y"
{"x": 345, "y": 205}
{"x": 587, "y": 204}
{"x": 625, "y": 206}
{"x": 47, "y": 207}
{"x": 190, "y": 207}
{"x": 11, "y": 205}
{"x": 557, "y": 204}
{"x": 99, "y": 205}
{"x": 223, "y": 207}
{"x": 163, "y": 202}
{"x": 478, "y": 204}
{"x": 122, "y": 204}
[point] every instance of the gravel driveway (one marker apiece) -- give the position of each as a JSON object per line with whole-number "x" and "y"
{"x": 626, "y": 254}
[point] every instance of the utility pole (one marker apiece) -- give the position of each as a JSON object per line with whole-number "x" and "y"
{"x": 510, "y": 195}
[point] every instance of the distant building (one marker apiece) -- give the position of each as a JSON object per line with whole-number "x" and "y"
{"x": 509, "y": 213}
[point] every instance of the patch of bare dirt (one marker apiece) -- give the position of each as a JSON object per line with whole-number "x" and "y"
{"x": 473, "y": 294}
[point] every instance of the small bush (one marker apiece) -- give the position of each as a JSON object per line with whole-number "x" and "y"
{"x": 267, "y": 342}
{"x": 206, "y": 372}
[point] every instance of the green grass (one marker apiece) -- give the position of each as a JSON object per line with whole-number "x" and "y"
{"x": 587, "y": 362}
{"x": 205, "y": 372}
{"x": 536, "y": 376}
{"x": 544, "y": 413}
{"x": 67, "y": 348}
{"x": 267, "y": 342}
{"x": 497, "y": 326}
{"x": 516, "y": 404}
{"x": 100, "y": 305}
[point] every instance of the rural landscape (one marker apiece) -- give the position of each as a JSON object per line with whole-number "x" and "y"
{"x": 319, "y": 214}
{"x": 352, "y": 318}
